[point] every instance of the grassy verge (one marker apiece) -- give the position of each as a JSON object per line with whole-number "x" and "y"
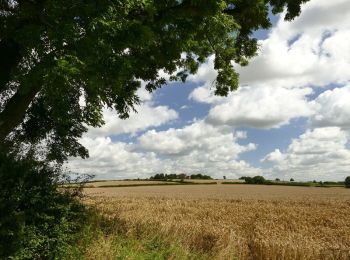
{"x": 105, "y": 238}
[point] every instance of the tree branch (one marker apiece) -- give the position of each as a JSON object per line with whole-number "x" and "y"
{"x": 15, "y": 110}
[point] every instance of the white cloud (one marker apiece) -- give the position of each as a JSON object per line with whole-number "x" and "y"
{"x": 200, "y": 147}
{"x": 275, "y": 156}
{"x": 311, "y": 50}
{"x": 206, "y": 76}
{"x": 114, "y": 160}
{"x": 261, "y": 107}
{"x": 320, "y": 153}
{"x": 204, "y": 94}
{"x": 195, "y": 148}
{"x": 332, "y": 108}
{"x": 144, "y": 94}
{"x": 219, "y": 143}
{"x": 147, "y": 116}
{"x": 205, "y": 73}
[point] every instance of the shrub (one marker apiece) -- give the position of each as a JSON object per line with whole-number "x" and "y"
{"x": 347, "y": 182}
{"x": 37, "y": 220}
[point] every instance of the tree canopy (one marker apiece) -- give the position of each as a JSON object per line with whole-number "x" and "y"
{"x": 62, "y": 61}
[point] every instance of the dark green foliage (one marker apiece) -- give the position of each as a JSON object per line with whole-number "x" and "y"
{"x": 162, "y": 176}
{"x": 158, "y": 176}
{"x": 291, "y": 180}
{"x": 250, "y": 180}
{"x": 55, "y": 53}
{"x": 37, "y": 221}
{"x": 254, "y": 180}
{"x": 347, "y": 182}
{"x": 200, "y": 177}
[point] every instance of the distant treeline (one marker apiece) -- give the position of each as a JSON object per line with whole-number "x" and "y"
{"x": 162, "y": 176}
{"x": 291, "y": 182}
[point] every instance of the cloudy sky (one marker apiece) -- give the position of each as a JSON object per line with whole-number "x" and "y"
{"x": 289, "y": 118}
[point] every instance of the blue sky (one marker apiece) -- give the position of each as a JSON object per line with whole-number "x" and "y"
{"x": 289, "y": 118}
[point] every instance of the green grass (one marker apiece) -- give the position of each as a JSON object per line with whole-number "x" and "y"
{"x": 104, "y": 238}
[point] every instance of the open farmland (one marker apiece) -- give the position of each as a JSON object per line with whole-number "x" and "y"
{"x": 131, "y": 183}
{"x": 231, "y": 221}
{"x": 121, "y": 183}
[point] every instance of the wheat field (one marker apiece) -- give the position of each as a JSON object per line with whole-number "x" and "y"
{"x": 234, "y": 221}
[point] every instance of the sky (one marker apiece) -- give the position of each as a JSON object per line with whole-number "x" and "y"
{"x": 290, "y": 117}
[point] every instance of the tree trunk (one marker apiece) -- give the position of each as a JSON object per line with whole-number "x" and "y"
{"x": 9, "y": 59}
{"x": 15, "y": 110}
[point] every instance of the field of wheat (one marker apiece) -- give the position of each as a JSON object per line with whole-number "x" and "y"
{"x": 254, "y": 222}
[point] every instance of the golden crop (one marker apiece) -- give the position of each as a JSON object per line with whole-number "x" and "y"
{"x": 313, "y": 225}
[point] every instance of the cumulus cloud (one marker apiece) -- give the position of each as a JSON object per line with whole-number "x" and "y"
{"x": 332, "y": 108}
{"x": 146, "y": 117}
{"x": 311, "y": 50}
{"x": 261, "y": 107}
{"x": 318, "y": 153}
{"x": 198, "y": 147}
{"x": 205, "y": 94}
{"x": 215, "y": 143}
{"x": 114, "y": 160}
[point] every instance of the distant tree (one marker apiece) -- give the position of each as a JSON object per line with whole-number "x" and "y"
{"x": 291, "y": 180}
{"x": 182, "y": 176}
{"x": 200, "y": 176}
{"x": 158, "y": 176}
{"x": 254, "y": 180}
{"x": 347, "y": 182}
{"x": 248, "y": 180}
{"x": 258, "y": 180}
{"x": 277, "y": 179}
{"x": 224, "y": 177}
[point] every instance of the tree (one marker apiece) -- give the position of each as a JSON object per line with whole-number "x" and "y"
{"x": 254, "y": 180}
{"x": 258, "y": 180}
{"x": 63, "y": 61}
{"x": 200, "y": 176}
{"x": 347, "y": 182}
{"x": 277, "y": 179}
{"x": 291, "y": 180}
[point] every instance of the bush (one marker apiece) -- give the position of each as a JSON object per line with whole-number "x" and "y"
{"x": 347, "y": 182}
{"x": 37, "y": 220}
